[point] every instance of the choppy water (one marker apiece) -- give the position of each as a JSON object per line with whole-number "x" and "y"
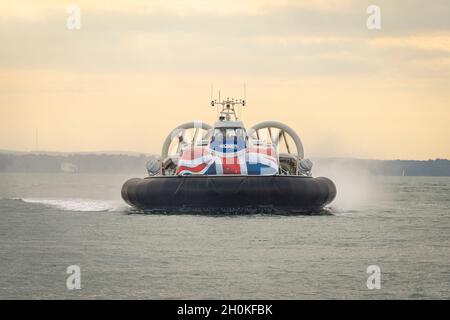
{"x": 51, "y": 221}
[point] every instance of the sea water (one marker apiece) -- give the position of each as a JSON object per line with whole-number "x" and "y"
{"x": 49, "y": 222}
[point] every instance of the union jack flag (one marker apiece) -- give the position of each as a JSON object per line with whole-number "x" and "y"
{"x": 223, "y": 159}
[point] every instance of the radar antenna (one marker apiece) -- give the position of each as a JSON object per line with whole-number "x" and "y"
{"x": 228, "y": 108}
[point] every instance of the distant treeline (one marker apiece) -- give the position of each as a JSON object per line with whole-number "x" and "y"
{"x": 438, "y": 167}
{"x": 78, "y": 163}
{"x": 122, "y": 163}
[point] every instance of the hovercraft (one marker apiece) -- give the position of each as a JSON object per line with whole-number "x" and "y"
{"x": 227, "y": 169}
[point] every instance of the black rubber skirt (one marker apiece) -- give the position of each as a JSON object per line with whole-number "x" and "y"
{"x": 229, "y": 194}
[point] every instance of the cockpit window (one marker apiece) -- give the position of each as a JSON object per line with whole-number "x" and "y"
{"x": 240, "y": 133}
{"x": 218, "y": 135}
{"x": 230, "y": 134}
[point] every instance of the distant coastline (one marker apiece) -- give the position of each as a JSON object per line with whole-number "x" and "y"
{"x": 125, "y": 162}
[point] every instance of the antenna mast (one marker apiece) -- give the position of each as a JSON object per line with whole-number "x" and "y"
{"x": 228, "y": 107}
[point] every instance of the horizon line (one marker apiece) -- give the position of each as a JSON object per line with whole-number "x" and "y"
{"x": 139, "y": 153}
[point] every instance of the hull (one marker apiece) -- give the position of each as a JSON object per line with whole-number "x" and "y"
{"x": 229, "y": 194}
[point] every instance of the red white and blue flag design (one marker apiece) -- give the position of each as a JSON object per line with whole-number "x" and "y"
{"x": 223, "y": 159}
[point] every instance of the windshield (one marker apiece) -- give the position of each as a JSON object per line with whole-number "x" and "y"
{"x": 230, "y": 134}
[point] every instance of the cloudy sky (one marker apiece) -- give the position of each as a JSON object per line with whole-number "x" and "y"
{"x": 136, "y": 69}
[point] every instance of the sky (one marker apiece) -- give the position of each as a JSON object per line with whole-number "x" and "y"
{"x": 136, "y": 69}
